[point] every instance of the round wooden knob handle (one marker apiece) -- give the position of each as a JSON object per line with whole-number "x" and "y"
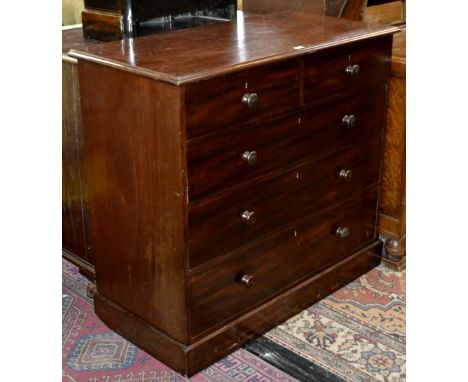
{"x": 346, "y": 174}
{"x": 248, "y": 281}
{"x": 250, "y": 157}
{"x": 251, "y": 100}
{"x": 249, "y": 217}
{"x": 349, "y": 121}
{"x": 352, "y": 70}
{"x": 342, "y": 232}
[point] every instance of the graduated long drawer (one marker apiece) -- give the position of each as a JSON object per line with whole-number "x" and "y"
{"x": 224, "y": 288}
{"x": 220, "y": 160}
{"x": 244, "y": 213}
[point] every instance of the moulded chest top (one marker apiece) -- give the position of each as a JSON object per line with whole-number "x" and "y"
{"x": 194, "y": 54}
{"x": 72, "y": 38}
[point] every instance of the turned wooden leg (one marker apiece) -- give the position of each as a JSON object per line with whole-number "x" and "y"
{"x": 395, "y": 249}
{"x": 395, "y": 253}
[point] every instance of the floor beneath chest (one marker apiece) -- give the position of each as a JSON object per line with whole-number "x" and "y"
{"x": 356, "y": 334}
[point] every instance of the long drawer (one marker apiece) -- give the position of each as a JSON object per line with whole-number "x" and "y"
{"x": 220, "y": 160}
{"x": 269, "y": 90}
{"x": 234, "y": 218}
{"x": 228, "y": 286}
{"x": 354, "y": 67}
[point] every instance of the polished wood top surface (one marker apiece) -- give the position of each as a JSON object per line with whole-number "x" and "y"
{"x": 72, "y": 38}
{"x": 195, "y": 54}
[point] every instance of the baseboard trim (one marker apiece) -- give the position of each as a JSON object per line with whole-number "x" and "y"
{"x": 85, "y": 268}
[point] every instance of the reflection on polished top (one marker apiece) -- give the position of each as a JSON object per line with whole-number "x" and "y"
{"x": 194, "y": 54}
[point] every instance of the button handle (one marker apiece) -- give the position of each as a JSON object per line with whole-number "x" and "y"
{"x": 249, "y": 217}
{"x": 250, "y": 157}
{"x": 349, "y": 121}
{"x": 346, "y": 174}
{"x": 251, "y": 100}
{"x": 248, "y": 281}
{"x": 342, "y": 232}
{"x": 352, "y": 70}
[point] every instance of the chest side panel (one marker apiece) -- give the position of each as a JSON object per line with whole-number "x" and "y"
{"x": 135, "y": 169}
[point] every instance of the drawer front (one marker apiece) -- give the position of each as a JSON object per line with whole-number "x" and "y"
{"x": 334, "y": 72}
{"x": 219, "y": 102}
{"x": 221, "y": 160}
{"x": 226, "y": 288}
{"x": 238, "y": 216}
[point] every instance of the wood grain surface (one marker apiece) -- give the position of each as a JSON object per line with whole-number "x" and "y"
{"x": 102, "y": 25}
{"x": 393, "y": 181}
{"x": 185, "y": 56}
{"x": 216, "y": 226}
{"x": 76, "y": 235}
{"x": 76, "y": 231}
{"x": 156, "y": 182}
{"x": 188, "y": 360}
{"x": 135, "y": 172}
{"x": 325, "y": 73}
{"x": 392, "y": 219}
{"x": 303, "y": 247}
{"x": 350, "y": 9}
{"x": 73, "y": 38}
{"x": 215, "y": 161}
{"x": 217, "y": 102}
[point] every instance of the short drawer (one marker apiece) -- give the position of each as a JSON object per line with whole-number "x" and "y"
{"x": 346, "y": 69}
{"x": 224, "y": 289}
{"x": 241, "y": 97}
{"x": 238, "y": 216}
{"x": 221, "y": 160}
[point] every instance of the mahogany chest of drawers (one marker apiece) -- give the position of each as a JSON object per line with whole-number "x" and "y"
{"x": 233, "y": 175}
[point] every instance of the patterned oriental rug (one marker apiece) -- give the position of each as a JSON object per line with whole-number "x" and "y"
{"x": 91, "y": 352}
{"x": 356, "y": 334}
